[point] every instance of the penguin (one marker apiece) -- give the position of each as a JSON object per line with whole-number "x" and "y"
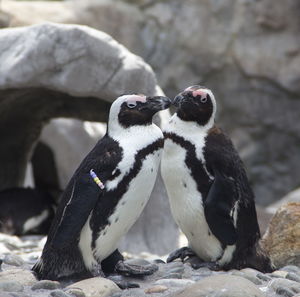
{"x": 209, "y": 193}
{"x": 25, "y": 211}
{"x": 106, "y": 195}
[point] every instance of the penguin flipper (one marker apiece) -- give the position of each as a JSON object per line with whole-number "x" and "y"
{"x": 84, "y": 196}
{"x": 217, "y": 209}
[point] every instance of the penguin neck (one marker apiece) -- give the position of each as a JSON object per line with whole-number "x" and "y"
{"x": 184, "y": 128}
{"x": 136, "y": 136}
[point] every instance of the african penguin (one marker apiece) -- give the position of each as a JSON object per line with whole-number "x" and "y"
{"x": 26, "y": 211}
{"x": 106, "y": 195}
{"x": 209, "y": 193}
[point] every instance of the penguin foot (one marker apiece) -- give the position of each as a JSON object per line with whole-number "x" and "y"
{"x": 135, "y": 270}
{"x": 214, "y": 266}
{"x": 181, "y": 253}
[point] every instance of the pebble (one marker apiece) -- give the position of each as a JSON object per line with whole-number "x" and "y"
{"x": 174, "y": 282}
{"x": 156, "y": 289}
{"x": 284, "y": 292}
{"x": 293, "y": 276}
{"x": 263, "y": 277}
{"x": 279, "y": 273}
{"x": 172, "y": 275}
{"x": 14, "y": 260}
{"x": 58, "y": 293}
{"x": 291, "y": 268}
{"x": 11, "y": 286}
{"x": 75, "y": 292}
{"x": 46, "y": 285}
{"x": 281, "y": 284}
{"x": 249, "y": 275}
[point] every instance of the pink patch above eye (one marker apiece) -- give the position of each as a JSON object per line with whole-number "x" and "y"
{"x": 199, "y": 92}
{"x": 135, "y": 98}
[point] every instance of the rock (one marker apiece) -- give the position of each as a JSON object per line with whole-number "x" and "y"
{"x": 96, "y": 287}
{"x": 291, "y": 268}
{"x": 10, "y": 286}
{"x": 222, "y": 286}
{"x": 293, "y": 276}
{"x": 156, "y": 289}
{"x": 13, "y": 260}
{"x": 59, "y": 293}
{"x": 75, "y": 292}
{"x": 24, "y": 277}
{"x": 282, "y": 239}
{"x": 46, "y": 285}
{"x": 293, "y": 196}
{"x": 279, "y": 273}
{"x": 250, "y": 274}
{"x": 174, "y": 282}
{"x": 281, "y": 285}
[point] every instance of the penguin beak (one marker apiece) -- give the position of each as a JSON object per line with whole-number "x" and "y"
{"x": 178, "y": 100}
{"x": 158, "y": 103}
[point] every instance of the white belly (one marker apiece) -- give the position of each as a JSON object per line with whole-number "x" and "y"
{"x": 125, "y": 215}
{"x": 186, "y": 203}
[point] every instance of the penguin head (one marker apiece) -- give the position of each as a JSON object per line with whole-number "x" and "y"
{"x": 136, "y": 110}
{"x": 196, "y": 104}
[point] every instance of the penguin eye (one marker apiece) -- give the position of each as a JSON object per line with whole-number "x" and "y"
{"x": 203, "y": 100}
{"x": 131, "y": 104}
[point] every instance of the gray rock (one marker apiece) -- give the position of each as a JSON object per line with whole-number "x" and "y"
{"x": 291, "y": 268}
{"x": 293, "y": 276}
{"x": 172, "y": 275}
{"x": 22, "y": 276}
{"x": 284, "y": 292}
{"x": 263, "y": 277}
{"x": 75, "y": 292}
{"x": 221, "y": 286}
{"x": 14, "y": 260}
{"x": 59, "y": 293}
{"x": 174, "y": 282}
{"x": 46, "y": 285}
{"x": 11, "y": 286}
{"x": 280, "y": 285}
{"x": 96, "y": 287}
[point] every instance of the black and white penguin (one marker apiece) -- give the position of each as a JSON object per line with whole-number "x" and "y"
{"x": 209, "y": 193}
{"x": 26, "y": 211}
{"x": 106, "y": 195}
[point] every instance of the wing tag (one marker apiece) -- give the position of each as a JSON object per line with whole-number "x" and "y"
{"x": 96, "y": 179}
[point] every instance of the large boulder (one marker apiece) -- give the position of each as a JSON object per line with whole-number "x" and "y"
{"x": 246, "y": 51}
{"x": 282, "y": 239}
{"x": 53, "y": 70}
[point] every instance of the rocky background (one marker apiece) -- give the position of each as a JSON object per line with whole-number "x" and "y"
{"x": 246, "y": 51}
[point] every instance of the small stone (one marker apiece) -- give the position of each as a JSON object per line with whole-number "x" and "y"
{"x": 222, "y": 286}
{"x": 76, "y": 292}
{"x": 117, "y": 294}
{"x": 46, "y": 285}
{"x": 156, "y": 289}
{"x": 291, "y": 268}
{"x": 58, "y": 293}
{"x": 14, "y": 260}
{"x": 264, "y": 277}
{"x": 178, "y": 269}
{"x": 172, "y": 275}
{"x": 249, "y": 275}
{"x": 174, "y": 282}
{"x": 293, "y": 276}
{"x": 11, "y": 286}
{"x": 96, "y": 287}
{"x": 279, "y": 273}
{"x": 284, "y": 292}
{"x": 24, "y": 277}
{"x": 280, "y": 284}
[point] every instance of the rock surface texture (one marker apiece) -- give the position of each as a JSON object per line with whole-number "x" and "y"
{"x": 171, "y": 279}
{"x": 282, "y": 239}
{"x": 248, "y": 52}
{"x": 55, "y": 70}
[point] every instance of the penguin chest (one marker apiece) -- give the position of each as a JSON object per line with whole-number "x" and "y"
{"x": 186, "y": 202}
{"x": 129, "y": 206}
